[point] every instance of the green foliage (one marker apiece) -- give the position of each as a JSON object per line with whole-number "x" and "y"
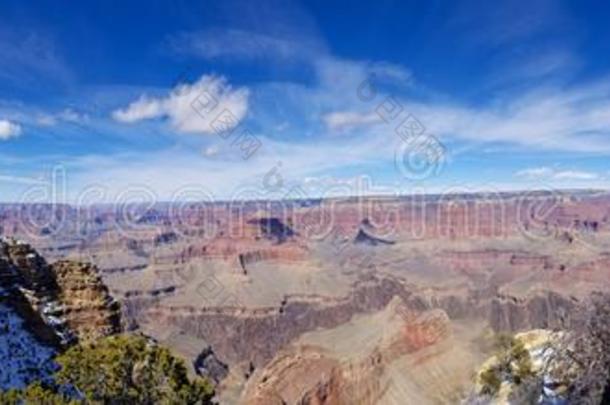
{"x": 490, "y": 381}
{"x": 34, "y": 394}
{"x": 513, "y": 363}
{"x": 118, "y": 370}
{"x": 127, "y": 370}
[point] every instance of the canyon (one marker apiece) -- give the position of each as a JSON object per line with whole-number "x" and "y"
{"x": 348, "y": 300}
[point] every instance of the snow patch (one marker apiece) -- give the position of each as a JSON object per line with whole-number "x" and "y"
{"x": 22, "y": 358}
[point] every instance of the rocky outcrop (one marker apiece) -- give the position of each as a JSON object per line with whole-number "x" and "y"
{"x": 318, "y": 373}
{"x": 29, "y": 285}
{"x": 365, "y": 235}
{"x": 544, "y": 310}
{"x": 28, "y": 269}
{"x": 207, "y": 365}
{"x": 288, "y": 253}
{"x": 69, "y": 296}
{"x": 27, "y": 342}
{"x": 539, "y": 346}
{"x": 44, "y": 308}
{"x": 165, "y": 238}
{"x": 84, "y": 302}
{"x": 273, "y": 229}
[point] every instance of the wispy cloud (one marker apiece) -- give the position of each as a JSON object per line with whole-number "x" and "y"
{"x": 543, "y": 64}
{"x": 575, "y": 175}
{"x": 226, "y": 173}
{"x": 236, "y": 44}
{"x": 27, "y": 56}
{"x": 273, "y": 32}
{"x": 345, "y": 120}
{"x": 575, "y": 119}
{"x": 69, "y": 115}
{"x": 549, "y": 173}
{"x": 535, "y": 172}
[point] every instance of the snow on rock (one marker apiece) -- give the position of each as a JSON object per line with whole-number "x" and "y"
{"x": 23, "y": 359}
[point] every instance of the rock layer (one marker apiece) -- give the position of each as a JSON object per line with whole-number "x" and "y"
{"x": 89, "y": 310}
{"x": 44, "y": 308}
{"x": 321, "y": 371}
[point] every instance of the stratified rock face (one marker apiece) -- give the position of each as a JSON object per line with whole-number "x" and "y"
{"x": 350, "y": 364}
{"x": 238, "y": 334}
{"x": 70, "y": 296}
{"x": 27, "y": 342}
{"x": 87, "y": 307}
{"x": 545, "y": 311}
{"x": 44, "y": 307}
{"x": 29, "y": 269}
{"x": 27, "y": 282}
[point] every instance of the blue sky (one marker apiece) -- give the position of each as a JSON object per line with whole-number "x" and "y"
{"x": 512, "y": 95}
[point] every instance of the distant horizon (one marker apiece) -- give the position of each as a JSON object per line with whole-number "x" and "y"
{"x": 504, "y": 194}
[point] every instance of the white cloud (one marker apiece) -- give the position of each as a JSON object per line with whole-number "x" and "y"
{"x": 142, "y": 109}
{"x": 345, "y": 120}
{"x": 71, "y": 115}
{"x": 67, "y": 115}
{"x": 325, "y": 185}
{"x": 391, "y": 71}
{"x": 210, "y": 151}
{"x": 575, "y": 175}
{"x": 9, "y": 130}
{"x": 46, "y": 120}
{"x": 548, "y": 173}
{"x": 192, "y": 108}
{"x": 346, "y": 75}
{"x": 535, "y": 172}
